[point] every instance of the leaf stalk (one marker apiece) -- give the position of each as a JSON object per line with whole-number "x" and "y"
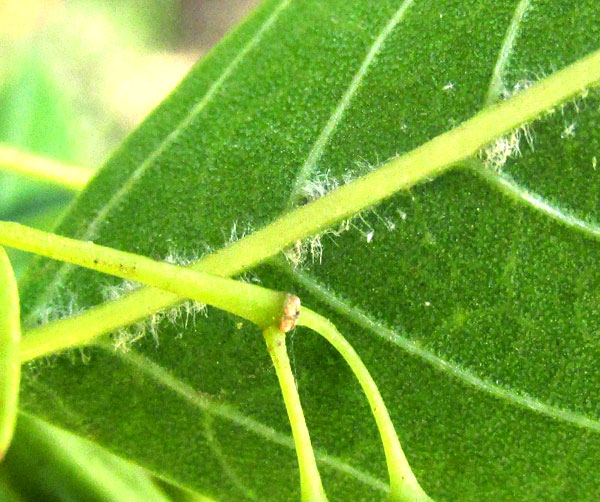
{"x": 310, "y": 480}
{"x": 404, "y": 486}
{"x": 259, "y": 305}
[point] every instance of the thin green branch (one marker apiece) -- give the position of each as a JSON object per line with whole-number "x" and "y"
{"x": 10, "y": 361}
{"x": 421, "y": 164}
{"x": 404, "y": 486}
{"x": 43, "y": 169}
{"x": 259, "y": 305}
{"x": 310, "y": 480}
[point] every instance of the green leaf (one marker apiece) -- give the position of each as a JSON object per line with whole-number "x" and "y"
{"x": 472, "y": 299}
{"x": 46, "y": 463}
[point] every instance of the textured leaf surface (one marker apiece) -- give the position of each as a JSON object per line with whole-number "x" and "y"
{"x": 472, "y": 299}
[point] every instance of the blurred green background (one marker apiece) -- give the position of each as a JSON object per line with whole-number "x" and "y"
{"x": 75, "y": 78}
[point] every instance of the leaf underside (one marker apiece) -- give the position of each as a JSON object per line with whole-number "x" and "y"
{"x": 473, "y": 300}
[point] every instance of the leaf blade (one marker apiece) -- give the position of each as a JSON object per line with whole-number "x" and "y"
{"x": 468, "y": 287}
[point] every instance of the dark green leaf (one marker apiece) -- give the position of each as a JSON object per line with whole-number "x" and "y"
{"x": 476, "y": 311}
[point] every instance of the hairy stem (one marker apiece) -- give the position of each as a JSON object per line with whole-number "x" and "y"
{"x": 43, "y": 169}
{"x": 259, "y": 305}
{"x": 404, "y": 486}
{"x": 419, "y": 165}
{"x": 10, "y": 361}
{"x": 310, "y": 481}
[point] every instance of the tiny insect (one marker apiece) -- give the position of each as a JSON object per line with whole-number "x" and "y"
{"x": 290, "y": 313}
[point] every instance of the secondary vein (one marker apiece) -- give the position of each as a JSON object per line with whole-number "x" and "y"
{"x": 227, "y": 412}
{"x": 510, "y": 187}
{"x": 497, "y": 84}
{"x": 454, "y": 370}
{"x": 136, "y": 175}
{"x": 327, "y": 132}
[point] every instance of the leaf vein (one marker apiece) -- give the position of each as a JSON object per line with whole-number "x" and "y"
{"x": 328, "y": 131}
{"x": 497, "y": 84}
{"x": 228, "y": 470}
{"x": 136, "y": 175}
{"x": 510, "y": 187}
{"x": 222, "y": 410}
{"x": 462, "y": 374}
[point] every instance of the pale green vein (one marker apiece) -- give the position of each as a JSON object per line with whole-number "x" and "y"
{"x": 73, "y": 418}
{"x": 227, "y": 412}
{"x": 452, "y": 369}
{"x": 228, "y": 470}
{"x": 137, "y": 174}
{"x": 319, "y": 146}
{"x": 510, "y": 187}
{"x": 503, "y": 181}
{"x": 497, "y": 85}
{"x": 423, "y": 163}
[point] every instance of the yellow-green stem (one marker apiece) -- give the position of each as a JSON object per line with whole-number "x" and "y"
{"x": 43, "y": 169}
{"x": 10, "y": 360}
{"x": 404, "y": 486}
{"x": 259, "y": 305}
{"x": 421, "y": 164}
{"x": 310, "y": 480}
